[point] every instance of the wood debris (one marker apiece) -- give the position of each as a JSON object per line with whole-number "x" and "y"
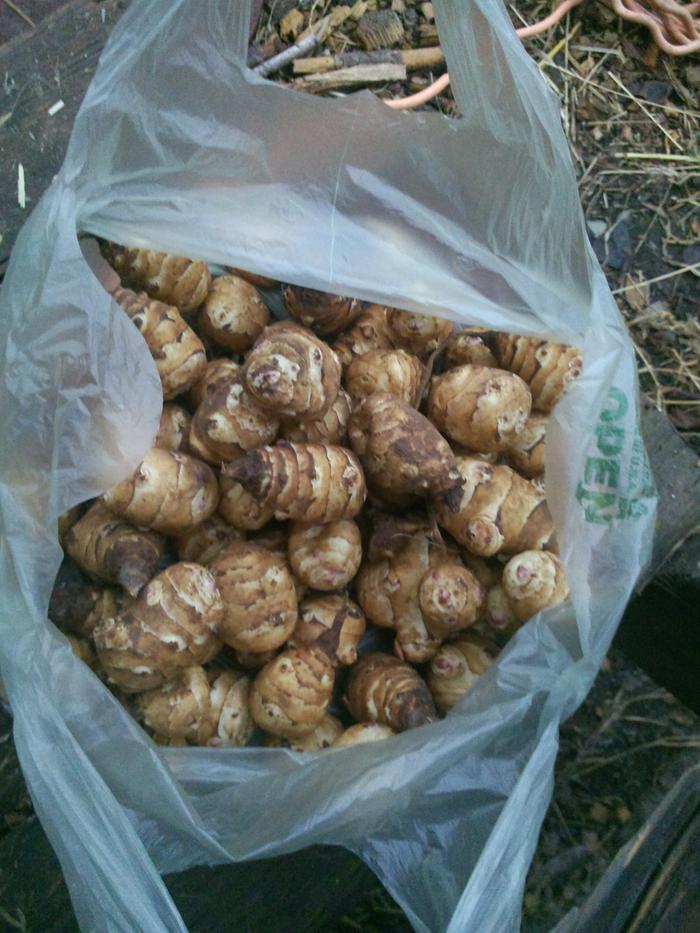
{"x": 380, "y": 29}
{"x": 358, "y": 76}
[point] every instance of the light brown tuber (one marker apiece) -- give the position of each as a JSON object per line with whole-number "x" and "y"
{"x": 403, "y": 455}
{"x": 498, "y": 615}
{"x": 393, "y": 371}
{"x": 201, "y": 545}
{"x": 420, "y": 334}
{"x": 179, "y": 281}
{"x": 457, "y": 666}
{"x": 369, "y": 332}
{"x": 168, "y": 492}
{"x": 331, "y": 622}
{"x": 230, "y": 422}
{"x": 325, "y": 557}
{"x": 200, "y": 709}
{"x": 305, "y": 482}
{"x": 111, "y": 549}
{"x": 324, "y": 313}
{"x": 383, "y": 689}
{"x": 548, "y": 368}
{"x": 472, "y": 346}
{"x": 532, "y": 581}
{"x": 292, "y": 373}
{"x": 259, "y": 597}
{"x": 290, "y": 695}
{"x": 481, "y": 408}
{"x": 176, "y": 350}
{"x": 499, "y": 511}
{"x": 77, "y": 605}
{"x": 82, "y": 649}
{"x": 233, "y": 314}
{"x": 332, "y": 428}
{"x": 69, "y": 518}
{"x": 174, "y": 428}
{"x": 172, "y": 625}
{"x": 323, "y": 736}
{"x": 450, "y": 599}
{"x": 259, "y": 281}
{"x": 362, "y": 733}
{"x": 217, "y": 373}
{"x": 526, "y": 451}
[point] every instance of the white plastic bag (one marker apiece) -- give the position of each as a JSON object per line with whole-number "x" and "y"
{"x": 178, "y": 146}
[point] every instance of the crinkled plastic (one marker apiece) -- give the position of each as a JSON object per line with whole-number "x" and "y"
{"x": 179, "y": 146}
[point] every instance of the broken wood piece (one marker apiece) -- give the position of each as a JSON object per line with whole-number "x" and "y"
{"x": 379, "y": 29}
{"x": 351, "y": 77}
{"x": 323, "y": 27}
{"x": 291, "y": 24}
{"x": 413, "y": 59}
{"x": 300, "y": 48}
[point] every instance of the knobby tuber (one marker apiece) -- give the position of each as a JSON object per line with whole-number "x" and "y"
{"x": 172, "y": 625}
{"x": 450, "y": 598}
{"x": 217, "y": 373}
{"x": 260, "y": 602}
{"x": 499, "y": 511}
{"x": 526, "y": 452}
{"x": 77, "y": 605}
{"x": 473, "y": 346}
{"x": 109, "y": 548}
{"x": 383, "y": 689}
{"x": 323, "y": 736}
{"x": 481, "y": 408}
{"x": 174, "y": 428}
{"x": 233, "y": 314}
{"x": 333, "y": 623}
{"x": 230, "y": 422}
{"x": 393, "y": 371}
{"x": 418, "y": 333}
{"x": 168, "y": 492}
{"x": 369, "y": 332}
{"x": 202, "y": 544}
{"x": 332, "y": 428}
{"x": 532, "y": 581}
{"x": 456, "y": 667}
{"x": 176, "y": 350}
{"x": 325, "y": 557}
{"x": 403, "y": 455}
{"x": 179, "y": 281}
{"x": 305, "y": 482}
{"x": 548, "y": 368}
{"x": 290, "y": 695}
{"x": 292, "y": 373}
{"x": 325, "y": 314}
{"x": 362, "y": 733}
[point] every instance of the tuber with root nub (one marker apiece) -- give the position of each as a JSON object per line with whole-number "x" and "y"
{"x": 290, "y": 695}
{"x": 532, "y": 581}
{"x": 383, "y": 689}
{"x": 179, "y": 281}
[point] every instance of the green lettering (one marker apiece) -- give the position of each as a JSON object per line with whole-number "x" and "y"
{"x": 610, "y": 439}
{"x": 597, "y": 505}
{"x": 600, "y": 472}
{"x": 616, "y": 405}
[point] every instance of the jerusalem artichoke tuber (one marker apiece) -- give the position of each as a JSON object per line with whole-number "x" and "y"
{"x": 333, "y": 623}
{"x": 77, "y": 605}
{"x": 532, "y": 581}
{"x": 548, "y": 368}
{"x": 457, "y": 666}
{"x": 393, "y": 371}
{"x": 323, "y": 736}
{"x": 233, "y": 314}
{"x": 229, "y": 423}
{"x": 420, "y": 334}
{"x": 526, "y": 451}
{"x": 112, "y": 550}
{"x": 472, "y": 346}
{"x": 174, "y": 428}
{"x": 324, "y": 313}
{"x": 217, "y": 373}
{"x": 202, "y": 544}
{"x": 172, "y": 625}
{"x": 325, "y": 557}
{"x": 179, "y": 281}
{"x": 306, "y": 482}
{"x": 332, "y": 428}
{"x": 68, "y": 519}
{"x": 362, "y": 733}
{"x": 482, "y": 408}
{"x": 369, "y": 332}
{"x": 292, "y": 373}
{"x": 402, "y": 453}
{"x": 290, "y": 695}
{"x": 450, "y": 598}
{"x": 176, "y": 349}
{"x": 499, "y": 511}
{"x": 383, "y": 689}
{"x": 259, "y": 597}
{"x": 168, "y": 492}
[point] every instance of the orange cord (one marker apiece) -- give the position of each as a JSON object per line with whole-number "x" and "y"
{"x": 672, "y": 26}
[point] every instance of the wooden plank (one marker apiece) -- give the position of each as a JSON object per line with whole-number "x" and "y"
{"x": 55, "y": 62}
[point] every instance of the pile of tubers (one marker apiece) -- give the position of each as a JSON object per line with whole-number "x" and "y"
{"x": 340, "y": 522}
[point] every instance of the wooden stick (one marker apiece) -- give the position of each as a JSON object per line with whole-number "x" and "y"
{"x": 413, "y": 59}
{"x": 21, "y": 13}
{"x": 349, "y": 77}
{"x": 279, "y": 61}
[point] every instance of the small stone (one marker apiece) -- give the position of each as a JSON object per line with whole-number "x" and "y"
{"x": 380, "y": 30}
{"x": 599, "y": 813}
